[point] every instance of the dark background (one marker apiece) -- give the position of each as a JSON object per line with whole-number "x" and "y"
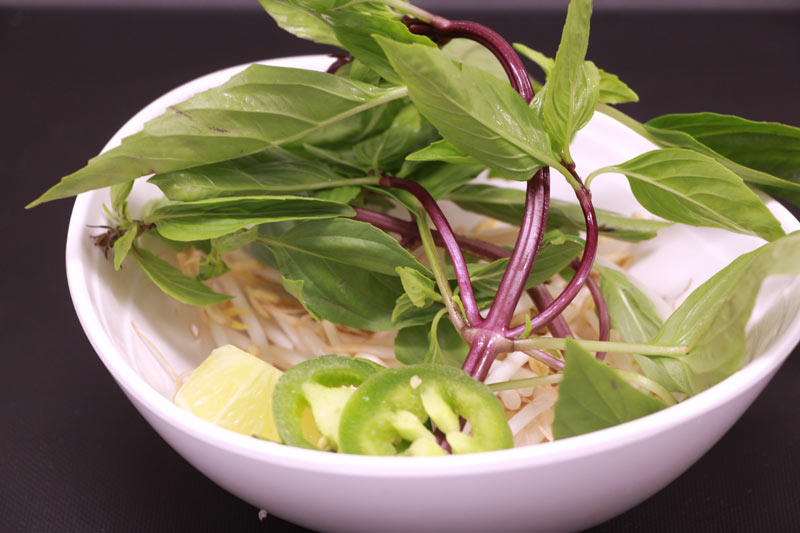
{"x": 76, "y": 456}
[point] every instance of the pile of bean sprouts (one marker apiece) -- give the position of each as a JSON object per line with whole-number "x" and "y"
{"x": 265, "y": 320}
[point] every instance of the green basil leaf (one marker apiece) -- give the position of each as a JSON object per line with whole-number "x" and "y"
{"x": 348, "y": 242}
{"x": 688, "y": 187}
{"x": 405, "y": 314}
{"x": 477, "y": 113}
{"x": 556, "y": 252}
{"x": 441, "y": 150}
{"x": 261, "y": 107}
{"x": 411, "y": 344}
{"x": 711, "y": 321}
{"x": 667, "y": 138}
{"x": 209, "y": 219}
{"x": 632, "y": 313}
{"x": 339, "y": 292}
{"x": 445, "y": 345}
{"x": 573, "y": 84}
{"x": 355, "y": 31}
{"x": 212, "y": 266}
{"x": 766, "y": 146}
{"x": 469, "y": 52}
{"x": 416, "y": 344}
{"x": 612, "y": 89}
{"x": 544, "y": 62}
{"x": 300, "y": 22}
{"x": 122, "y": 246}
{"x": 234, "y": 241}
{"x": 235, "y": 178}
{"x": 507, "y": 205}
{"x": 344, "y": 158}
{"x": 173, "y": 282}
{"x": 319, "y": 5}
{"x": 350, "y": 130}
{"x": 387, "y": 150}
{"x": 592, "y": 396}
{"x": 342, "y": 195}
{"x": 421, "y": 289}
{"x": 119, "y": 197}
{"x": 441, "y": 178}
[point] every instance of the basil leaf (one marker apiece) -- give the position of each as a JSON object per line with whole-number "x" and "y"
{"x": 386, "y": 151}
{"x": 234, "y": 241}
{"x": 556, "y": 252}
{"x": 711, "y": 321}
{"x": 300, "y": 22}
{"x": 678, "y": 139}
{"x": 446, "y": 347}
{"x": 469, "y": 52}
{"x": 441, "y": 178}
{"x": 612, "y": 89}
{"x": 542, "y": 61}
{"x": 349, "y": 242}
{"x": 236, "y": 178}
{"x": 173, "y": 282}
{"x": 208, "y": 219}
{"x": 411, "y": 344}
{"x": 261, "y": 107}
{"x": 339, "y": 292}
{"x": 441, "y": 150}
{"x": 212, "y": 266}
{"x": 119, "y": 197}
{"x": 766, "y": 146}
{"x": 417, "y": 344}
{"x": 342, "y": 195}
{"x": 355, "y": 31}
{"x": 573, "y": 84}
{"x": 632, "y": 313}
{"x": 688, "y": 187}
{"x": 343, "y": 158}
{"x": 421, "y": 289}
{"x": 352, "y": 129}
{"x": 477, "y": 113}
{"x": 318, "y": 5}
{"x": 507, "y": 205}
{"x": 592, "y": 396}
{"x": 122, "y": 246}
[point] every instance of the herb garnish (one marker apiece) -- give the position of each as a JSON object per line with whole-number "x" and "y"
{"x": 316, "y": 159}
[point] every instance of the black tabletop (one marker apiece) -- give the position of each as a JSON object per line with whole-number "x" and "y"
{"x": 76, "y": 456}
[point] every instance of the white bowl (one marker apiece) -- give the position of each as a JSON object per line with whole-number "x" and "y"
{"x": 564, "y": 485}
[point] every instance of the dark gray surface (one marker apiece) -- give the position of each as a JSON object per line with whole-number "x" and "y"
{"x": 75, "y": 455}
{"x": 434, "y": 5}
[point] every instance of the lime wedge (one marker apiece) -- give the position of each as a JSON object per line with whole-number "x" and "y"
{"x": 233, "y": 389}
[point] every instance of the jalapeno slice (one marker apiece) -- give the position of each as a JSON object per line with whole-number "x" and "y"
{"x": 389, "y": 414}
{"x": 321, "y": 386}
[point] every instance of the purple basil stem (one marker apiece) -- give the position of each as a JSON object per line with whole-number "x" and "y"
{"x": 542, "y": 299}
{"x": 584, "y": 268}
{"x": 456, "y": 257}
{"x": 408, "y": 231}
{"x": 342, "y": 58}
{"x": 441, "y": 30}
{"x": 526, "y": 248}
{"x": 604, "y": 321}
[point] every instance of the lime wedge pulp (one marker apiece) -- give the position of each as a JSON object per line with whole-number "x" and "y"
{"x": 233, "y": 389}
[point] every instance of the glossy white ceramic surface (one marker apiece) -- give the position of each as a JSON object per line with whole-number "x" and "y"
{"x": 564, "y": 485}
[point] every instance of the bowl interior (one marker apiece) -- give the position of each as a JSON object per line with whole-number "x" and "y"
{"x": 144, "y": 337}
